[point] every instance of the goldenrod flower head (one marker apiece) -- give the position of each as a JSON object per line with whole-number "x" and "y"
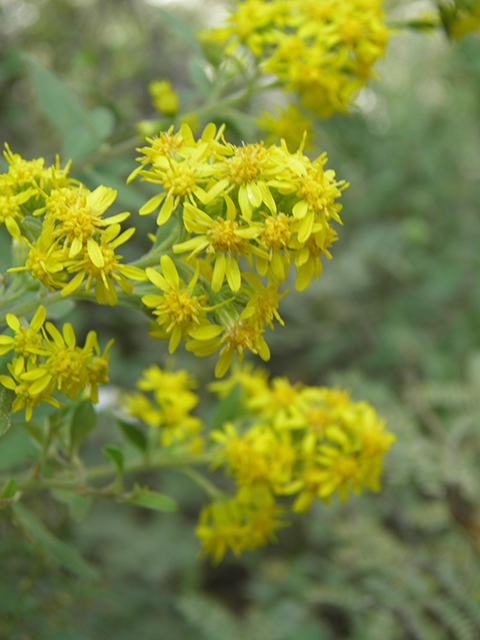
{"x": 177, "y": 309}
{"x": 100, "y": 263}
{"x": 50, "y": 361}
{"x": 11, "y": 212}
{"x": 244, "y": 522}
{"x": 77, "y": 216}
{"x": 259, "y": 456}
{"x": 30, "y": 176}
{"x": 164, "y": 98}
{"x": 263, "y": 304}
{"x": 26, "y": 341}
{"x": 45, "y": 260}
{"x": 26, "y": 395}
{"x": 253, "y": 381}
{"x": 169, "y": 414}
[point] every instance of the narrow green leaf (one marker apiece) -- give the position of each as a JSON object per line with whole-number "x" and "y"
{"x": 113, "y": 454}
{"x": 152, "y": 500}
{"x": 78, "y": 505}
{"x": 133, "y": 434}
{"x": 35, "y": 432}
{"x": 198, "y": 76}
{"x": 60, "y": 309}
{"x": 103, "y": 121}
{"x": 66, "y": 555}
{"x": 65, "y": 112}
{"x": 9, "y": 489}
{"x": 228, "y": 408}
{"x": 7, "y": 396}
{"x": 83, "y": 421}
{"x": 16, "y": 449}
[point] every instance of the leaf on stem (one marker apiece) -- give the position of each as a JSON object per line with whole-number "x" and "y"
{"x": 151, "y": 499}
{"x": 66, "y": 555}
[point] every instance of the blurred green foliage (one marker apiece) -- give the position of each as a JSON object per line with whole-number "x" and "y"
{"x": 395, "y": 318}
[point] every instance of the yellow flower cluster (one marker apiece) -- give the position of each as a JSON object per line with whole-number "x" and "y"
{"x": 47, "y": 361}
{"x": 164, "y": 98}
{"x": 311, "y": 442}
{"x": 168, "y": 415}
{"x": 323, "y": 51}
{"x": 74, "y": 243}
{"x": 250, "y": 206}
{"x": 21, "y": 184}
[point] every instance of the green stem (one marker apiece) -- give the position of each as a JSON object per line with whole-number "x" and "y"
{"x": 210, "y": 489}
{"x": 32, "y": 305}
{"x": 220, "y": 105}
{"x": 108, "y": 470}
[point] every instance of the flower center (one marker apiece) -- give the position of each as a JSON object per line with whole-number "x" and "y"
{"x": 276, "y": 233}
{"x": 179, "y": 179}
{"x": 245, "y": 165}
{"x": 223, "y": 237}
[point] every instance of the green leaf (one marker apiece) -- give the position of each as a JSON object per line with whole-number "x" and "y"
{"x": 7, "y": 396}
{"x": 198, "y": 76}
{"x": 82, "y": 131}
{"x": 35, "y": 432}
{"x": 228, "y": 408}
{"x": 103, "y": 121}
{"x": 152, "y": 500}
{"x": 133, "y": 434}
{"x": 83, "y": 421}
{"x": 16, "y": 449}
{"x": 113, "y": 454}
{"x": 9, "y": 489}
{"x": 60, "y": 309}
{"x": 67, "y": 555}
{"x": 31, "y": 228}
{"x": 78, "y": 505}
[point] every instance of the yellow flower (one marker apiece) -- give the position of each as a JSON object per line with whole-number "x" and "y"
{"x": 100, "y": 263}
{"x": 22, "y": 173}
{"x": 250, "y": 168}
{"x": 177, "y": 310}
{"x": 252, "y": 380}
{"x": 45, "y": 260}
{"x": 25, "y": 342}
{"x": 307, "y": 256}
{"x": 170, "y": 413}
{"x": 10, "y": 210}
{"x": 165, "y": 99}
{"x": 24, "y": 389}
{"x": 225, "y": 239}
{"x": 262, "y": 306}
{"x": 274, "y": 238}
{"x": 323, "y": 51}
{"x": 259, "y": 456}
{"x": 244, "y": 522}
{"x": 180, "y": 165}
{"x": 169, "y": 386}
{"x": 77, "y": 217}
{"x": 137, "y": 405}
{"x": 242, "y": 335}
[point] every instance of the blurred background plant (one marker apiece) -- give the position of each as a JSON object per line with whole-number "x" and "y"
{"x": 394, "y": 318}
